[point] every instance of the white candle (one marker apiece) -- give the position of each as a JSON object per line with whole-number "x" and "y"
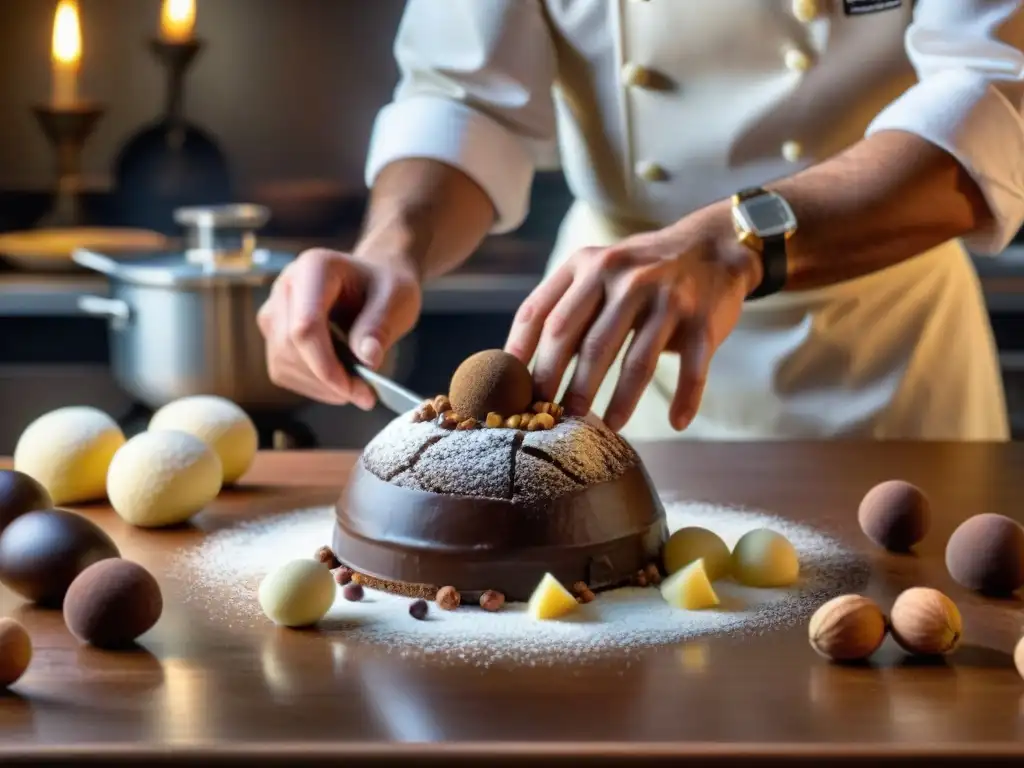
{"x": 178, "y": 20}
{"x": 66, "y": 54}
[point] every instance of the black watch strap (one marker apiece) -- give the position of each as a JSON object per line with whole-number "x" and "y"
{"x": 774, "y": 267}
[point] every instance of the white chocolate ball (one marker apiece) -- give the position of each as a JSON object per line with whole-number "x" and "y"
{"x": 162, "y": 478}
{"x": 219, "y": 423}
{"x": 68, "y": 451}
{"x": 298, "y": 593}
{"x": 695, "y": 543}
{"x": 765, "y": 558}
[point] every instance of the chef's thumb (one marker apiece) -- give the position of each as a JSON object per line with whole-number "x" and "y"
{"x": 374, "y": 329}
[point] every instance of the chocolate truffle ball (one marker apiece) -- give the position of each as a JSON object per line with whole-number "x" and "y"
{"x": 492, "y": 380}
{"x": 895, "y": 515}
{"x": 112, "y": 603}
{"x": 15, "y": 652}
{"x": 19, "y": 494}
{"x": 986, "y": 554}
{"x": 41, "y": 553}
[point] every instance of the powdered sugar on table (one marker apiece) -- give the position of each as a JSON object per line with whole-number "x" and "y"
{"x": 223, "y": 572}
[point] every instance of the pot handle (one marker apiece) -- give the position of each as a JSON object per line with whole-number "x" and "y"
{"x": 116, "y": 310}
{"x": 94, "y": 261}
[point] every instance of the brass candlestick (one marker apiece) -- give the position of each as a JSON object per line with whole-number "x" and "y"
{"x": 67, "y": 129}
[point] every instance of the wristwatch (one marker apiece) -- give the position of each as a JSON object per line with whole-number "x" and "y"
{"x": 764, "y": 222}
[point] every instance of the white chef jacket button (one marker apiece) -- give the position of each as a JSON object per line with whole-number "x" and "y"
{"x": 805, "y": 10}
{"x": 792, "y": 151}
{"x": 650, "y": 171}
{"x": 796, "y": 60}
{"x": 635, "y": 76}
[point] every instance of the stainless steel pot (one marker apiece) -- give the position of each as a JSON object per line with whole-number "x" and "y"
{"x": 185, "y": 323}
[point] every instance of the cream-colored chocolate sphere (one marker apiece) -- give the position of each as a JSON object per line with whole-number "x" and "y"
{"x": 163, "y": 477}
{"x": 68, "y": 451}
{"x": 694, "y": 543}
{"x": 765, "y": 558}
{"x": 298, "y": 593}
{"x": 219, "y": 423}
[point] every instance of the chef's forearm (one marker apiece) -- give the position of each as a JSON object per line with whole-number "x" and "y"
{"x": 425, "y": 215}
{"x": 885, "y": 199}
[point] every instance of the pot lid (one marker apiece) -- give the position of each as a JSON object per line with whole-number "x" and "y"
{"x": 220, "y": 249}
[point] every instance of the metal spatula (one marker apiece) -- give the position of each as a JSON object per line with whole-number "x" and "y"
{"x": 391, "y": 394}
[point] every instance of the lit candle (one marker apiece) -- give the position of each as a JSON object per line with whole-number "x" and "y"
{"x": 66, "y": 53}
{"x": 178, "y": 20}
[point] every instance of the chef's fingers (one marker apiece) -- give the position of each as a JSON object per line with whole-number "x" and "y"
{"x": 562, "y": 332}
{"x": 639, "y": 364}
{"x": 314, "y": 285}
{"x": 528, "y": 324}
{"x": 389, "y": 310}
{"x": 694, "y": 345}
{"x": 598, "y": 349}
{"x": 284, "y": 367}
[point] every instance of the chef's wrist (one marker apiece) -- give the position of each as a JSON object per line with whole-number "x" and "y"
{"x": 395, "y": 244}
{"x": 724, "y": 248}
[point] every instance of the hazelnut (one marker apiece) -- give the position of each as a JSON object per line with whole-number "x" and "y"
{"x": 494, "y": 419}
{"x": 343, "y": 575}
{"x": 580, "y": 587}
{"x": 469, "y": 423}
{"x": 492, "y": 600}
{"x": 926, "y": 622}
{"x": 585, "y": 597}
{"x": 448, "y": 420}
{"x": 442, "y": 404}
{"x": 652, "y": 573}
{"x": 326, "y": 556}
{"x": 847, "y": 628}
{"x": 513, "y": 422}
{"x": 541, "y": 421}
{"x": 640, "y": 579}
{"x": 353, "y": 592}
{"x": 448, "y": 598}
{"x": 552, "y": 409}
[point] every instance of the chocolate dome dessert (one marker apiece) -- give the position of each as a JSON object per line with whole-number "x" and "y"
{"x": 440, "y": 500}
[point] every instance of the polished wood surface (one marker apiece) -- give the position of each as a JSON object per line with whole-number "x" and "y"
{"x": 262, "y": 695}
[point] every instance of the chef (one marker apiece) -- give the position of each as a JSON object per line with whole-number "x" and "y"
{"x": 772, "y": 204}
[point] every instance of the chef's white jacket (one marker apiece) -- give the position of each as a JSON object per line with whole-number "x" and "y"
{"x": 660, "y": 107}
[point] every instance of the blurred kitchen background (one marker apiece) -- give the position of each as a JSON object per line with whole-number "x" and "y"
{"x": 279, "y": 100}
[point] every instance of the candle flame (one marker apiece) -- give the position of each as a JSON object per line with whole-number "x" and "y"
{"x": 178, "y": 18}
{"x": 67, "y": 34}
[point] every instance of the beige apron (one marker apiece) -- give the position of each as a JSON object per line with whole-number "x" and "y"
{"x": 904, "y": 353}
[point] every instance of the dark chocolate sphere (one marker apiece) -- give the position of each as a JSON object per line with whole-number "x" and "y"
{"x": 491, "y": 381}
{"x": 42, "y": 552}
{"x": 986, "y": 554}
{"x": 895, "y": 515}
{"x": 19, "y": 494}
{"x": 112, "y": 603}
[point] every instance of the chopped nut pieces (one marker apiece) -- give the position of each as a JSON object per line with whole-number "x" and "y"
{"x": 582, "y": 592}
{"x": 448, "y": 420}
{"x": 512, "y": 422}
{"x": 442, "y": 404}
{"x": 653, "y": 574}
{"x": 492, "y": 600}
{"x": 448, "y": 598}
{"x": 326, "y": 556}
{"x": 494, "y": 419}
{"x": 343, "y": 575}
{"x": 469, "y": 423}
{"x": 426, "y": 412}
{"x": 553, "y": 409}
{"x": 541, "y": 421}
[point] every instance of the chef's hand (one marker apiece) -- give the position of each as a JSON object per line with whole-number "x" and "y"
{"x": 378, "y": 302}
{"x": 679, "y": 289}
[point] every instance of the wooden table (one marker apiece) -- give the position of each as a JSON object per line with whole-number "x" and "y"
{"x": 272, "y": 696}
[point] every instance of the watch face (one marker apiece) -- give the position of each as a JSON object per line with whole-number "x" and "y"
{"x": 767, "y": 215}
